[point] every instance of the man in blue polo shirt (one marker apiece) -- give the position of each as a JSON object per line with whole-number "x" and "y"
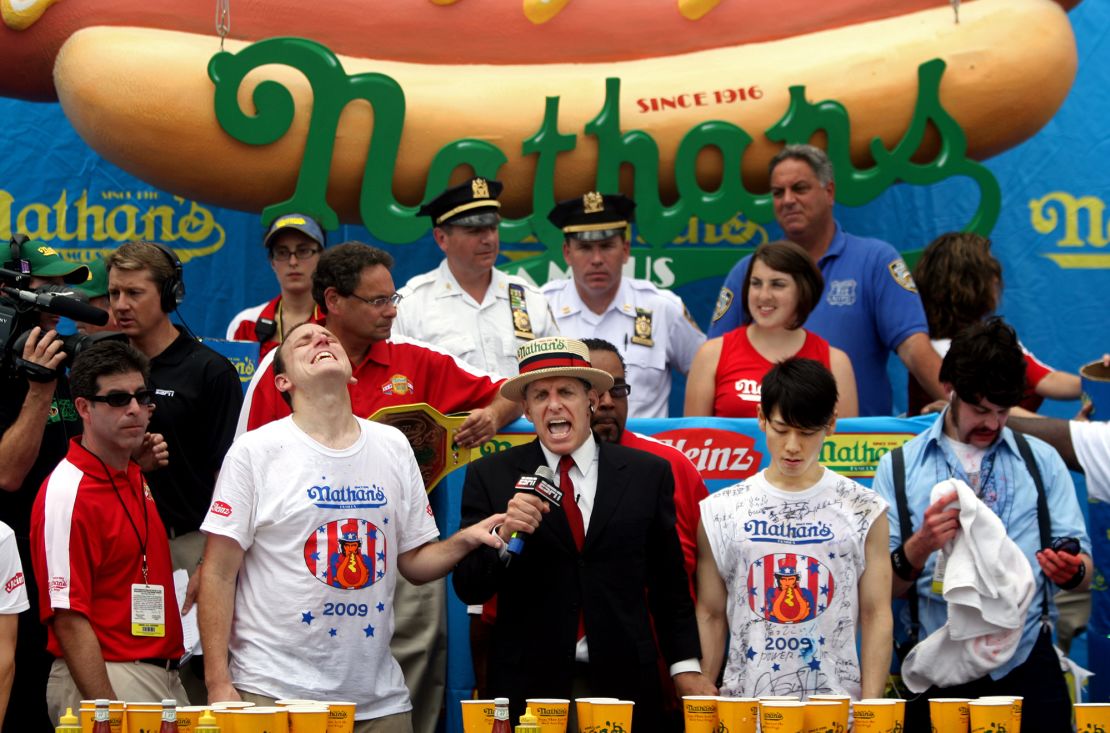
{"x": 870, "y": 305}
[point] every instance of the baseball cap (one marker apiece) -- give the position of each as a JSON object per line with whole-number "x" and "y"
{"x": 46, "y": 262}
{"x": 302, "y": 223}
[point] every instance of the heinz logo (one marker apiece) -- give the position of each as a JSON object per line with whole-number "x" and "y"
{"x": 717, "y": 454}
{"x": 14, "y": 582}
{"x": 221, "y": 509}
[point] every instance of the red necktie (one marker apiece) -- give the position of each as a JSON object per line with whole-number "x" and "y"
{"x": 570, "y": 506}
{"x": 574, "y": 519}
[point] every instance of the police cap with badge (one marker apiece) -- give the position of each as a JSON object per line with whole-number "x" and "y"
{"x": 593, "y": 216}
{"x": 470, "y": 204}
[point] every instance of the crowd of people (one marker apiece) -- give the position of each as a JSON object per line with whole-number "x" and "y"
{"x": 303, "y": 535}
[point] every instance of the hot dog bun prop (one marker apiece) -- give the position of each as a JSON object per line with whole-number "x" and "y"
{"x": 142, "y": 96}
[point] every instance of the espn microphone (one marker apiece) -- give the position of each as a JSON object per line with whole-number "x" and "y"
{"x": 63, "y": 302}
{"x": 542, "y": 484}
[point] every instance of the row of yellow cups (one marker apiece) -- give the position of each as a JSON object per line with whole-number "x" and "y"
{"x": 287, "y": 716}
{"x": 595, "y": 714}
{"x": 788, "y": 714}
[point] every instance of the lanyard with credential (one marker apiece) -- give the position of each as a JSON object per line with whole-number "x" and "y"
{"x": 146, "y": 519}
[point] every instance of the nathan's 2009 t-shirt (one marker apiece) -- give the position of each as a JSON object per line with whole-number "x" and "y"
{"x": 322, "y": 529}
{"x": 792, "y": 562}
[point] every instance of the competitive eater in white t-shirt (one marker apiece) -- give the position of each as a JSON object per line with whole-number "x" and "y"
{"x": 315, "y": 514}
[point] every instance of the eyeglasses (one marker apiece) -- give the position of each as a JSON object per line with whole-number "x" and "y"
{"x": 303, "y": 252}
{"x": 144, "y": 397}
{"x": 620, "y": 391}
{"x": 381, "y": 301}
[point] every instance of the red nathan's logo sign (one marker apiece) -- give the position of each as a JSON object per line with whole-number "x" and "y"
{"x": 717, "y": 454}
{"x": 221, "y": 509}
{"x": 14, "y": 582}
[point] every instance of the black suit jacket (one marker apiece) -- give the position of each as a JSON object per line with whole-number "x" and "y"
{"x": 631, "y": 562}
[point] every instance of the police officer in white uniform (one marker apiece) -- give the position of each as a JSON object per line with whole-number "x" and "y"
{"x": 651, "y": 327}
{"x": 466, "y": 306}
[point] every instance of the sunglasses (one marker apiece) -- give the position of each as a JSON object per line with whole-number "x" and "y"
{"x": 144, "y": 397}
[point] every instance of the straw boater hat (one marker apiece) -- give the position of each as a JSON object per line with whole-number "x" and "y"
{"x": 554, "y": 357}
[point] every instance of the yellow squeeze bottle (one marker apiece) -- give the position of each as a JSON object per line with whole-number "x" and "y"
{"x": 528, "y": 722}
{"x": 68, "y": 723}
{"x": 207, "y": 723}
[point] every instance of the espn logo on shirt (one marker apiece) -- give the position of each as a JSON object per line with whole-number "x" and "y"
{"x": 13, "y": 583}
{"x": 220, "y": 509}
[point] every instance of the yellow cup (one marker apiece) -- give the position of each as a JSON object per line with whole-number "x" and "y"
{"x": 773, "y": 698}
{"x": 700, "y": 713}
{"x": 844, "y": 701}
{"x": 873, "y": 715}
{"x": 143, "y": 717}
{"x": 188, "y": 717}
{"x": 614, "y": 716}
{"x": 341, "y": 716}
{"x": 583, "y": 708}
{"x": 738, "y": 714}
{"x": 477, "y": 716}
{"x": 307, "y": 718}
{"x": 1092, "y": 717}
{"x": 950, "y": 714}
{"x": 551, "y": 713}
{"x": 117, "y": 717}
{"x": 1015, "y": 710}
{"x": 990, "y": 716}
{"x": 781, "y": 716}
{"x": 260, "y": 719}
{"x": 823, "y": 716}
{"x": 899, "y": 716}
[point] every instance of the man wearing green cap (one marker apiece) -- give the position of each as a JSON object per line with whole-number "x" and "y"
{"x": 96, "y": 289}
{"x": 37, "y": 418}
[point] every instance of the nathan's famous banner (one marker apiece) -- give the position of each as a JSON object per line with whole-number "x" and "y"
{"x": 1042, "y": 200}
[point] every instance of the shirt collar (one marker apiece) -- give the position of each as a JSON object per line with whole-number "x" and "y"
{"x": 936, "y": 430}
{"x": 583, "y": 455}
{"x": 836, "y": 246}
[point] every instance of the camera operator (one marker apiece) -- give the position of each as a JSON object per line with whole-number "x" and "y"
{"x": 37, "y": 419}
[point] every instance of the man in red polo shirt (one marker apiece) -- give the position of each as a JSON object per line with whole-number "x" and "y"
{"x": 100, "y": 549}
{"x": 353, "y": 287}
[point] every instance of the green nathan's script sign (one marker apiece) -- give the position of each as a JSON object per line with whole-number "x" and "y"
{"x": 658, "y": 223}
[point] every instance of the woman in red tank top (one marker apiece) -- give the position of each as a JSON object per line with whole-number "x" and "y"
{"x": 781, "y": 288}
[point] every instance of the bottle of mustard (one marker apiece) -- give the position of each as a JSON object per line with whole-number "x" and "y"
{"x": 68, "y": 723}
{"x": 528, "y": 723}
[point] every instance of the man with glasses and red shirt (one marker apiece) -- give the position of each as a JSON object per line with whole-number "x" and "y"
{"x": 98, "y": 543}
{"x": 294, "y": 243}
{"x": 354, "y": 289}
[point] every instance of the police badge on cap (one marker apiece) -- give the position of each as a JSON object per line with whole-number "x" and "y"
{"x": 470, "y": 204}
{"x": 593, "y": 216}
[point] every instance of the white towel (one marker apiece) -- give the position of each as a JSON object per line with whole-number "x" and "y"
{"x": 988, "y": 586}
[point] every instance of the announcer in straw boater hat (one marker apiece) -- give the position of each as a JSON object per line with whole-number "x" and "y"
{"x": 573, "y": 596}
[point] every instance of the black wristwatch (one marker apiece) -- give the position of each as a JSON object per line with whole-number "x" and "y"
{"x": 901, "y": 564}
{"x": 1080, "y": 573}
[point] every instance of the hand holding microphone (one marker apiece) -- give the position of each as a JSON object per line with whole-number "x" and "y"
{"x": 535, "y": 493}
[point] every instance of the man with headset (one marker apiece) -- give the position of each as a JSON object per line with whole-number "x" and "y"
{"x": 197, "y": 393}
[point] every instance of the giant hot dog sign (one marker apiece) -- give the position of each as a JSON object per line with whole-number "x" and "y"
{"x": 680, "y": 104}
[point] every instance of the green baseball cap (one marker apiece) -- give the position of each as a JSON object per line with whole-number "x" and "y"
{"x": 46, "y": 262}
{"x": 97, "y": 284}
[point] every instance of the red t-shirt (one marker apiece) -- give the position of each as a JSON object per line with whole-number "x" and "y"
{"x": 244, "y": 324}
{"x": 87, "y": 553}
{"x": 689, "y": 489}
{"x": 399, "y": 371}
{"x": 741, "y": 369}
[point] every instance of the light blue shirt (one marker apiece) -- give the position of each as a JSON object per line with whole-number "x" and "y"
{"x": 927, "y": 463}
